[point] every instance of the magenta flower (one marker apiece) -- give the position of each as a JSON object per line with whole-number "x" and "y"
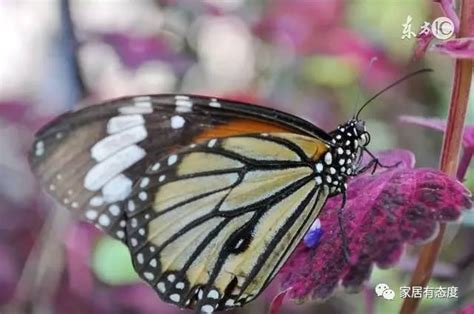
{"x": 383, "y": 213}
{"x": 440, "y": 125}
{"x": 447, "y": 6}
{"x": 468, "y": 309}
{"x": 458, "y": 48}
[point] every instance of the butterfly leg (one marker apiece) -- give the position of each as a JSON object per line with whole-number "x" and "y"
{"x": 345, "y": 246}
{"x": 374, "y": 163}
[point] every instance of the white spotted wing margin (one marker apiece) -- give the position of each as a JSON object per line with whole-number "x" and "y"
{"x": 220, "y": 218}
{"x": 90, "y": 159}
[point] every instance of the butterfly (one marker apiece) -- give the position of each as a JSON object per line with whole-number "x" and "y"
{"x": 211, "y": 196}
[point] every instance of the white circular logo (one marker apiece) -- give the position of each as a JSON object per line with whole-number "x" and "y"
{"x": 442, "y": 28}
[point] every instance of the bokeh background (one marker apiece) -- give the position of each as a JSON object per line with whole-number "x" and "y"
{"x": 307, "y": 57}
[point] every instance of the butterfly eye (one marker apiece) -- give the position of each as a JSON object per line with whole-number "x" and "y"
{"x": 365, "y": 139}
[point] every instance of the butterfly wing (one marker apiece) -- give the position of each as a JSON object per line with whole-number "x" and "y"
{"x": 90, "y": 159}
{"x": 210, "y": 196}
{"x": 212, "y": 227}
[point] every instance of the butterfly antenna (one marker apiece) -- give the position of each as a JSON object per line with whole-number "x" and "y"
{"x": 362, "y": 81}
{"x": 390, "y": 86}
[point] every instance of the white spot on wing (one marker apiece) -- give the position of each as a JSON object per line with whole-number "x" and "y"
{"x": 143, "y": 196}
{"x": 104, "y": 220}
{"x": 172, "y": 159}
{"x": 101, "y": 173}
{"x": 91, "y": 214}
{"x": 135, "y": 110}
{"x": 96, "y": 201}
{"x": 114, "y": 143}
{"x": 149, "y": 275}
{"x": 319, "y": 167}
{"x": 161, "y": 287}
{"x": 117, "y": 189}
{"x": 120, "y": 123}
{"x": 131, "y": 206}
{"x": 183, "y": 105}
{"x": 144, "y": 182}
{"x": 212, "y": 142}
{"x": 143, "y": 102}
{"x": 213, "y": 294}
{"x": 155, "y": 167}
{"x": 207, "y": 308}
{"x": 181, "y": 97}
{"x": 214, "y": 103}
{"x": 114, "y": 210}
{"x": 177, "y": 122}
{"x": 140, "y": 258}
{"x": 175, "y": 297}
{"x": 39, "y": 148}
{"x": 328, "y": 158}
{"x": 318, "y": 180}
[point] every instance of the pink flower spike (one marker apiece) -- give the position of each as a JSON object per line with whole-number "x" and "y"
{"x": 422, "y": 44}
{"x": 459, "y": 48}
{"x": 396, "y": 206}
{"x": 440, "y": 125}
{"x": 424, "y": 39}
{"x": 449, "y": 11}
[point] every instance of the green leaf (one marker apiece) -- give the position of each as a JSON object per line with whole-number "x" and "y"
{"x": 111, "y": 262}
{"x": 329, "y": 70}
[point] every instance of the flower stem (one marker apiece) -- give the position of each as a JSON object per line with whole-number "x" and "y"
{"x": 464, "y": 163}
{"x": 450, "y": 154}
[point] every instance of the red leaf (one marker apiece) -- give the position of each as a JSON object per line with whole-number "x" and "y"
{"x": 383, "y": 213}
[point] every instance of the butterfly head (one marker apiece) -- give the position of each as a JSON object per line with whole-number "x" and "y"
{"x": 343, "y": 159}
{"x": 351, "y": 135}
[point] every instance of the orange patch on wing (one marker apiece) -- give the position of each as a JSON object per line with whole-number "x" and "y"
{"x": 240, "y": 127}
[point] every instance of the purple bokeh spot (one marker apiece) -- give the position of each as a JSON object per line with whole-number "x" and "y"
{"x": 314, "y": 234}
{"x": 135, "y": 50}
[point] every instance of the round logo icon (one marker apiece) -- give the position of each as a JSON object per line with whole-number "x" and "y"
{"x": 442, "y": 28}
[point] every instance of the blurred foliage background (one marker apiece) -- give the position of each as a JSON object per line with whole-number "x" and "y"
{"x": 307, "y": 57}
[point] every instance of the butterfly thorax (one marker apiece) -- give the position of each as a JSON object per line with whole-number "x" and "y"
{"x": 343, "y": 158}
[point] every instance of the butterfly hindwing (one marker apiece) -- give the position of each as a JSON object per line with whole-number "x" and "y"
{"x": 90, "y": 159}
{"x": 212, "y": 226}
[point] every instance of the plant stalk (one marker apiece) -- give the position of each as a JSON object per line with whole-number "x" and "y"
{"x": 450, "y": 153}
